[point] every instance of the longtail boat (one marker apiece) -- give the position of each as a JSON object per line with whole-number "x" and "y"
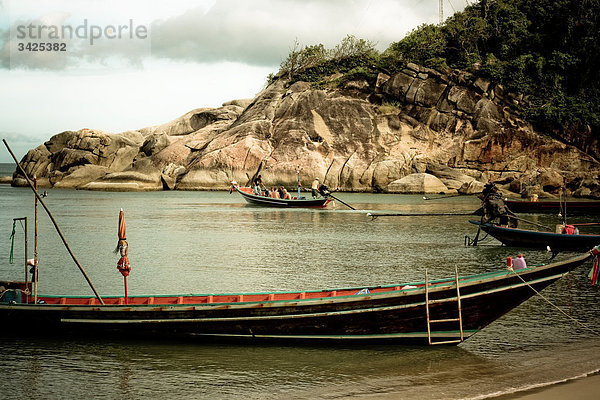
{"x": 445, "y": 311}
{"x": 260, "y": 200}
{"x": 536, "y": 239}
{"x": 554, "y": 207}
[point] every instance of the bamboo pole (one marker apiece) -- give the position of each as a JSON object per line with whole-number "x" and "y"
{"x": 25, "y": 240}
{"x": 26, "y": 277}
{"x": 432, "y": 214}
{"x": 586, "y": 224}
{"x": 530, "y": 222}
{"x": 346, "y": 204}
{"x": 125, "y": 282}
{"x": 35, "y": 245}
{"x": 37, "y": 195}
{"x": 444, "y": 196}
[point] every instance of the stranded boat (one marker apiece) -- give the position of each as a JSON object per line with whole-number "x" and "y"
{"x": 445, "y": 311}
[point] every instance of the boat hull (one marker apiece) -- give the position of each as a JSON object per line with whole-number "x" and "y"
{"x": 534, "y": 239}
{"x": 384, "y": 314}
{"x": 264, "y": 201}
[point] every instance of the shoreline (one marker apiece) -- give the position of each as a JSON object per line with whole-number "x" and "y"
{"x": 582, "y": 388}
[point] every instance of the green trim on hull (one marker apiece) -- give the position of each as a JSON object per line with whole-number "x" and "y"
{"x": 411, "y": 335}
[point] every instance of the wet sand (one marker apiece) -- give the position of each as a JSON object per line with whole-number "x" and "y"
{"x": 580, "y": 389}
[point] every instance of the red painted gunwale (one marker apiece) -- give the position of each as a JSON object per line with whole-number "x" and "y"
{"x": 225, "y": 298}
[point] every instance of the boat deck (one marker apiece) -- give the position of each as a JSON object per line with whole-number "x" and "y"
{"x": 228, "y": 298}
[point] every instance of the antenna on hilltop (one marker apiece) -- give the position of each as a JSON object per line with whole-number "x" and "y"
{"x": 441, "y": 8}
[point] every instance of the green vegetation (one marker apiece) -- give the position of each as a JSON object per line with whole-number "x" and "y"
{"x": 549, "y": 50}
{"x": 352, "y": 57}
{"x": 389, "y": 107}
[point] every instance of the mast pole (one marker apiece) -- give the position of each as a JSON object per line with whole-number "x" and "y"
{"x": 298, "y": 174}
{"x": 35, "y": 245}
{"x": 37, "y": 195}
{"x": 25, "y": 218}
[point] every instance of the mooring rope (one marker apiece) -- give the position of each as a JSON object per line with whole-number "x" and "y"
{"x": 555, "y": 306}
{"x": 471, "y": 242}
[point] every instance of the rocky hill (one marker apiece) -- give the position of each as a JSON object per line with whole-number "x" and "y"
{"x": 417, "y": 130}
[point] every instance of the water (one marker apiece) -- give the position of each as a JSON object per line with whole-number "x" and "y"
{"x": 212, "y": 242}
{"x": 7, "y": 169}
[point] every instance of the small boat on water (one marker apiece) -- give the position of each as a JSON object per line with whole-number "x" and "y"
{"x": 529, "y": 238}
{"x": 445, "y": 311}
{"x": 554, "y": 207}
{"x": 260, "y": 200}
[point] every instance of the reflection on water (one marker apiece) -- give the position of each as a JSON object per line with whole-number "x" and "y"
{"x": 209, "y": 242}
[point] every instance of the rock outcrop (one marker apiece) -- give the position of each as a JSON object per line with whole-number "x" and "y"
{"x": 419, "y": 183}
{"x": 357, "y": 136}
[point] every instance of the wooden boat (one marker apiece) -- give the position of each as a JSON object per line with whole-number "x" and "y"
{"x": 554, "y": 207}
{"x": 248, "y": 195}
{"x": 445, "y": 311}
{"x": 529, "y": 238}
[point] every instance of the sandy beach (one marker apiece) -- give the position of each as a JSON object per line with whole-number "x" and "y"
{"x": 580, "y": 389}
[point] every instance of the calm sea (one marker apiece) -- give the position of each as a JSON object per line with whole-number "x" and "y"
{"x": 6, "y": 169}
{"x": 211, "y": 242}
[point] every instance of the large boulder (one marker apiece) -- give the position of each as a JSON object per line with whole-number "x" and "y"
{"x": 82, "y": 175}
{"x": 472, "y": 187}
{"x": 418, "y": 183}
{"x": 451, "y": 177}
{"x": 155, "y": 143}
{"x": 142, "y": 176}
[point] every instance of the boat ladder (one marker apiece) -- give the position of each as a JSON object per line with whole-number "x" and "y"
{"x": 436, "y": 321}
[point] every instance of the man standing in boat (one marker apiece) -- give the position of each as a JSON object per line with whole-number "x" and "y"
{"x": 493, "y": 207}
{"x": 315, "y": 188}
{"x": 258, "y": 183}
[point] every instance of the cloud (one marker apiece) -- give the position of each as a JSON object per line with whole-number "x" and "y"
{"x": 20, "y": 144}
{"x": 258, "y": 33}
{"x": 74, "y": 41}
{"x": 39, "y": 104}
{"x": 261, "y": 32}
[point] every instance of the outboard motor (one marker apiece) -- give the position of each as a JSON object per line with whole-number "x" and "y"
{"x": 324, "y": 190}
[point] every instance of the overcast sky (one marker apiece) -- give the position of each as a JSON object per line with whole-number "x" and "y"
{"x": 128, "y": 64}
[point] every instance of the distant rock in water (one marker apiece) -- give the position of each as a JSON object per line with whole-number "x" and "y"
{"x": 359, "y": 136}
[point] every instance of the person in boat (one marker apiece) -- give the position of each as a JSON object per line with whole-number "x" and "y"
{"x": 324, "y": 190}
{"x": 494, "y": 207}
{"x": 281, "y": 194}
{"x": 569, "y": 230}
{"x": 274, "y": 193}
{"x": 315, "y": 188}
{"x": 258, "y": 184}
{"x": 286, "y": 194}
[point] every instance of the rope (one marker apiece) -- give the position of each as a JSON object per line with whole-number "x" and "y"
{"x": 471, "y": 242}
{"x": 432, "y": 214}
{"x": 555, "y": 306}
{"x": 11, "y": 258}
